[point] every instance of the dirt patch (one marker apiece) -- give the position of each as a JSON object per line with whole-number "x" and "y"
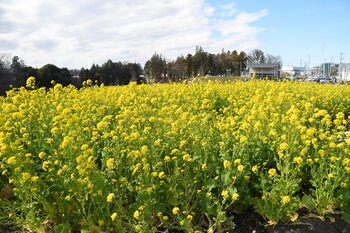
{"x": 249, "y": 222}
{"x": 254, "y": 223}
{"x": 313, "y": 225}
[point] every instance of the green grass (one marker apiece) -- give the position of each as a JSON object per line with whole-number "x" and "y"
{"x": 222, "y": 79}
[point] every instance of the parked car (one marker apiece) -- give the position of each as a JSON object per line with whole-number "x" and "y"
{"x": 325, "y": 80}
{"x": 310, "y": 79}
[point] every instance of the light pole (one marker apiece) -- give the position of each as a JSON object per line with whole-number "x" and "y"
{"x": 340, "y": 69}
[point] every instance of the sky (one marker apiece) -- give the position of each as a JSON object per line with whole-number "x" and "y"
{"x": 78, "y": 33}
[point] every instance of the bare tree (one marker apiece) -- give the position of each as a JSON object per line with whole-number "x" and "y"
{"x": 5, "y": 72}
{"x": 5, "y": 61}
{"x": 256, "y": 56}
{"x": 273, "y": 59}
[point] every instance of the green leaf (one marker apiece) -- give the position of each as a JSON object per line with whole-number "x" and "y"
{"x": 211, "y": 184}
{"x": 346, "y": 217}
{"x": 308, "y": 201}
{"x": 62, "y": 228}
{"x": 226, "y": 178}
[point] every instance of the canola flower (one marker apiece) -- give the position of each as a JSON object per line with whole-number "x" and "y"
{"x": 128, "y": 158}
{"x": 136, "y": 214}
{"x": 235, "y": 196}
{"x": 285, "y": 199}
{"x": 110, "y": 197}
{"x": 113, "y": 216}
{"x": 272, "y": 172}
{"x": 175, "y": 210}
{"x": 240, "y": 168}
{"x": 225, "y": 194}
{"x": 298, "y": 160}
{"x": 227, "y": 164}
{"x": 110, "y": 163}
{"x": 30, "y": 83}
{"x": 255, "y": 168}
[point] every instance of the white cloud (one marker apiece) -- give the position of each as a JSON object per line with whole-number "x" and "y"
{"x": 228, "y": 10}
{"x": 79, "y": 33}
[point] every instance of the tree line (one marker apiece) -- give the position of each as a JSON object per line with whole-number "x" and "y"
{"x": 226, "y": 63}
{"x": 200, "y": 63}
{"x": 112, "y": 73}
{"x": 14, "y": 72}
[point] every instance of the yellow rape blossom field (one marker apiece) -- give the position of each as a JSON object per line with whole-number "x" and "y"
{"x": 187, "y": 157}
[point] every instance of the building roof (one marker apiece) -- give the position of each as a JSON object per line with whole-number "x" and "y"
{"x": 345, "y": 64}
{"x": 295, "y": 68}
{"x": 263, "y": 65}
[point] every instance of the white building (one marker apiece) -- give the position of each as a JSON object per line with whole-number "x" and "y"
{"x": 293, "y": 71}
{"x": 344, "y": 72}
{"x": 262, "y": 70}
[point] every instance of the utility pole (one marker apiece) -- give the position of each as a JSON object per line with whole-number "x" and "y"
{"x": 309, "y": 64}
{"x": 341, "y": 68}
{"x": 340, "y": 73}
